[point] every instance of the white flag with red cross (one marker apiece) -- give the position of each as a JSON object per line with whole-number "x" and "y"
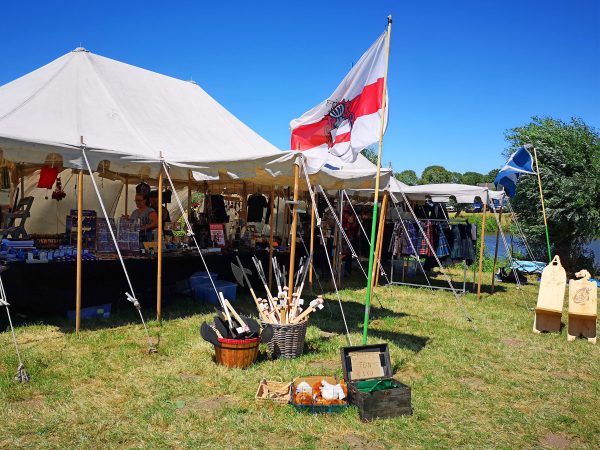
{"x": 350, "y": 119}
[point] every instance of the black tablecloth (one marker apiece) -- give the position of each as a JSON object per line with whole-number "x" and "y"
{"x": 50, "y": 288}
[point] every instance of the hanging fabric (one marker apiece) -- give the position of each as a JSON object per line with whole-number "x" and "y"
{"x": 47, "y": 177}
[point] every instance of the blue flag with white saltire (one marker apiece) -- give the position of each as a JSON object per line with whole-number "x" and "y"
{"x": 519, "y": 163}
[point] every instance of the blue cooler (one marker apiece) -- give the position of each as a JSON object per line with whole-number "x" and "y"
{"x": 198, "y": 280}
{"x": 208, "y": 294}
{"x": 92, "y": 312}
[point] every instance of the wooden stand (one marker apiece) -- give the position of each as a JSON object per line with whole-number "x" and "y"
{"x": 548, "y": 311}
{"x": 583, "y": 308}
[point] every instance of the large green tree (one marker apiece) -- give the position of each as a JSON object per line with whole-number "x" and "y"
{"x": 435, "y": 174}
{"x": 491, "y": 176}
{"x": 408, "y": 177}
{"x": 569, "y": 166}
{"x": 472, "y": 178}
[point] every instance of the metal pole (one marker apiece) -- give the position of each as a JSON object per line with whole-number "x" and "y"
{"x": 312, "y": 245}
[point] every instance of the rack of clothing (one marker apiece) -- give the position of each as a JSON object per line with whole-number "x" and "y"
{"x": 452, "y": 239}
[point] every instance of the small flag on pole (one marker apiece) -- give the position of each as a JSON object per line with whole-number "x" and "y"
{"x": 519, "y": 163}
{"x": 350, "y": 119}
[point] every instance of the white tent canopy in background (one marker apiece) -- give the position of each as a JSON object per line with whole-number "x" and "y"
{"x": 462, "y": 193}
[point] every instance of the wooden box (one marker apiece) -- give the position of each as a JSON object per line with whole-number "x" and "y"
{"x": 372, "y": 362}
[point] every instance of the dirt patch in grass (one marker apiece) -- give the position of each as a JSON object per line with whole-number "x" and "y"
{"x": 351, "y": 441}
{"x": 206, "y": 404}
{"x": 186, "y": 376}
{"x": 513, "y": 342}
{"x": 34, "y": 403}
{"x": 553, "y": 440}
{"x": 327, "y": 334}
{"x": 408, "y": 374}
{"x": 326, "y": 364}
{"x": 474, "y": 383}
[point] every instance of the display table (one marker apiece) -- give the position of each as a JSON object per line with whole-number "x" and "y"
{"x": 50, "y": 288}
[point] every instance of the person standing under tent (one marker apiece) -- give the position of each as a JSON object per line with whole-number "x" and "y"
{"x": 147, "y": 216}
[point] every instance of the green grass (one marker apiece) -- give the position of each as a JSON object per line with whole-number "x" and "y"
{"x": 496, "y": 386}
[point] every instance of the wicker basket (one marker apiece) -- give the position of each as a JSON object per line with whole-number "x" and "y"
{"x": 273, "y": 391}
{"x": 288, "y": 339}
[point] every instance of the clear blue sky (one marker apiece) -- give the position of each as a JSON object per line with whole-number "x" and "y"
{"x": 461, "y": 72}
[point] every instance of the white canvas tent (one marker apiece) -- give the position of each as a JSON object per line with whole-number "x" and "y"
{"x": 134, "y": 119}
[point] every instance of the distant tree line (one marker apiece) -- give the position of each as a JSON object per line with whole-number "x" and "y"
{"x": 436, "y": 174}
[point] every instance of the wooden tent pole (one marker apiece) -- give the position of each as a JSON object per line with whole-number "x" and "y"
{"x": 126, "y": 194}
{"x": 159, "y": 250}
{"x": 293, "y": 235}
{"x": 79, "y": 246}
{"x": 271, "y": 220}
{"x": 189, "y": 191}
{"x": 340, "y": 240}
{"x": 537, "y": 169}
{"x": 312, "y": 241}
{"x": 496, "y": 249}
{"x": 244, "y": 212}
{"x": 384, "y": 206}
{"x": 481, "y": 246}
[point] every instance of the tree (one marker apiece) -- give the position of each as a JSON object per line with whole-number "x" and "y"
{"x": 472, "y": 178}
{"x": 408, "y": 177}
{"x": 491, "y": 176}
{"x": 569, "y": 166}
{"x": 370, "y": 154}
{"x": 435, "y": 174}
{"x": 455, "y": 177}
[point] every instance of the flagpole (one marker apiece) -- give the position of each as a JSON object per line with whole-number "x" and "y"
{"x": 376, "y": 195}
{"x": 537, "y": 169}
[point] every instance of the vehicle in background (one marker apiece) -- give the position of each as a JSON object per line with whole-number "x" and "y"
{"x": 476, "y": 207}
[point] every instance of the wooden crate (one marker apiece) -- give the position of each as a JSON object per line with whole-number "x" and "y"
{"x": 372, "y": 362}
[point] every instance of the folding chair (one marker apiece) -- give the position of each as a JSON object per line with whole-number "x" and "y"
{"x": 21, "y": 213}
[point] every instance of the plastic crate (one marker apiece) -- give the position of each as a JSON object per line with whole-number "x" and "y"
{"x": 92, "y": 312}
{"x": 207, "y": 293}
{"x": 200, "y": 278}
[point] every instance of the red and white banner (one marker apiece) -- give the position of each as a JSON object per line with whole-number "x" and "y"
{"x": 350, "y": 119}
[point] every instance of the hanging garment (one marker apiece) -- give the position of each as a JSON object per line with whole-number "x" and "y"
{"x": 443, "y": 249}
{"x": 410, "y": 243}
{"x": 256, "y": 207}
{"x": 218, "y": 211}
{"x": 457, "y": 250}
{"x": 424, "y": 249}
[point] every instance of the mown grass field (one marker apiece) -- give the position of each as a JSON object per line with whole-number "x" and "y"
{"x": 497, "y": 385}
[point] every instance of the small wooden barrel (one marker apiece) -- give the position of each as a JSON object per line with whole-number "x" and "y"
{"x": 237, "y": 352}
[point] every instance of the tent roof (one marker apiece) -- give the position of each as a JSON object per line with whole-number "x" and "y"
{"x": 122, "y": 110}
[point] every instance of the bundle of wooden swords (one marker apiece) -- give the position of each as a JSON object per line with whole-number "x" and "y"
{"x": 278, "y": 309}
{"x": 229, "y": 324}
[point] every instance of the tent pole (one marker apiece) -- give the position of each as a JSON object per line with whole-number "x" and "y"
{"x": 293, "y": 237}
{"x": 271, "y": 204}
{"x": 376, "y": 196}
{"x": 244, "y": 213}
{"x": 481, "y": 246}
{"x": 334, "y": 250}
{"x": 377, "y": 245}
{"x": 189, "y": 202}
{"x": 340, "y": 246}
{"x": 126, "y": 194}
{"x": 537, "y": 169}
{"x": 496, "y": 250}
{"x": 384, "y": 207}
{"x": 159, "y": 249}
{"x": 79, "y": 246}
{"x": 312, "y": 245}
